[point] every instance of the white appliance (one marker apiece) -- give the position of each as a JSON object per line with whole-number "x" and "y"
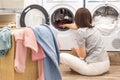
{"x": 18, "y": 20}
{"x": 63, "y": 11}
{"x": 112, "y": 43}
{"x": 105, "y": 8}
{"x": 30, "y": 2}
{"x": 54, "y": 13}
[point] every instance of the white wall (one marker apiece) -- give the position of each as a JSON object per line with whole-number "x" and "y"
{"x": 12, "y": 4}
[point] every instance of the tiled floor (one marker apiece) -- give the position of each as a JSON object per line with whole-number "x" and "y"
{"x": 113, "y": 74}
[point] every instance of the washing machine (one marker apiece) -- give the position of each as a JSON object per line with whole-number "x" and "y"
{"x": 54, "y": 13}
{"x": 24, "y": 15}
{"x": 105, "y": 17}
{"x": 112, "y": 42}
{"x": 30, "y": 2}
{"x": 61, "y": 12}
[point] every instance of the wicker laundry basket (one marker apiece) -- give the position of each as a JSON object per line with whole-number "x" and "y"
{"x": 7, "y": 71}
{"x": 30, "y": 71}
{"x": 7, "y": 64}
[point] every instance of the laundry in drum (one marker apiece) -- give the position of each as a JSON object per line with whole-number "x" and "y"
{"x": 62, "y": 16}
{"x": 105, "y": 19}
{"x": 66, "y": 19}
{"x": 106, "y": 10}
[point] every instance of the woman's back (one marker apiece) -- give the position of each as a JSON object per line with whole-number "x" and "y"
{"x": 93, "y": 42}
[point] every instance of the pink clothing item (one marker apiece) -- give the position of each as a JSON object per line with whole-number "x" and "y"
{"x": 28, "y": 37}
{"x": 39, "y": 55}
{"x": 59, "y": 45}
{"x": 40, "y": 70}
{"x": 20, "y": 57}
{"x": 18, "y": 34}
{"x": 30, "y": 40}
{"x": 24, "y": 38}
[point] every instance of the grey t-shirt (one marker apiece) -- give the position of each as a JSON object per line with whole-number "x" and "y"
{"x": 90, "y": 38}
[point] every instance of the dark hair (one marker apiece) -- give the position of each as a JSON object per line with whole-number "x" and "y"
{"x": 83, "y": 18}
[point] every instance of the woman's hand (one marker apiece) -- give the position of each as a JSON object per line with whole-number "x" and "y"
{"x": 80, "y": 52}
{"x": 71, "y": 26}
{"x": 64, "y": 25}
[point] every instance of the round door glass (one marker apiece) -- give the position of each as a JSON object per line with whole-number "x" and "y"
{"x": 61, "y": 16}
{"x": 105, "y": 11}
{"x": 105, "y": 18}
{"x": 34, "y": 17}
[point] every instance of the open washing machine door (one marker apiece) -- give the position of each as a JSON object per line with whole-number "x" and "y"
{"x": 61, "y": 16}
{"x": 105, "y": 18}
{"x": 33, "y": 15}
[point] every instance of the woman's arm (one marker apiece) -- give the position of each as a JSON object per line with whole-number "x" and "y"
{"x": 71, "y": 26}
{"x": 81, "y": 52}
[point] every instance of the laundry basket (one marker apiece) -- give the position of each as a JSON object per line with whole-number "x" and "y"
{"x": 7, "y": 71}
{"x": 30, "y": 71}
{"x": 7, "y": 64}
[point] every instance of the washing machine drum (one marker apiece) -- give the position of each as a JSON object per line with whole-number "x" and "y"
{"x": 105, "y": 18}
{"x": 61, "y": 16}
{"x": 105, "y": 11}
{"x": 34, "y": 15}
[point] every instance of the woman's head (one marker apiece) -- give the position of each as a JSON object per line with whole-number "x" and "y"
{"x": 83, "y": 18}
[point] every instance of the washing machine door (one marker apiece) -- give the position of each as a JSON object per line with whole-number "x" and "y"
{"x": 62, "y": 16}
{"x": 34, "y": 15}
{"x": 105, "y": 19}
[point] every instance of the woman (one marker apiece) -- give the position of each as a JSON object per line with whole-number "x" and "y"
{"x": 92, "y": 58}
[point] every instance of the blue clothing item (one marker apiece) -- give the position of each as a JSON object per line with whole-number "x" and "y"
{"x": 46, "y": 37}
{"x": 5, "y": 40}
